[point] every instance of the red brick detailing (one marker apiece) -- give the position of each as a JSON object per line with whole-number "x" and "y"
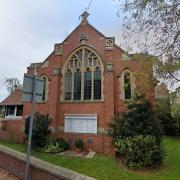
{"x": 110, "y": 104}
{"x": 99, "y": 143}
{"x": 13, "y": 130}
{"x": 17, "y": 167}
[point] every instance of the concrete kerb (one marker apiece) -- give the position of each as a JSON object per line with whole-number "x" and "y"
{"x": 45, "y": 166}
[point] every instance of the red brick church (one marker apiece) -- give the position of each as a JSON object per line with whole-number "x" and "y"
{"x": 85, "y": 78}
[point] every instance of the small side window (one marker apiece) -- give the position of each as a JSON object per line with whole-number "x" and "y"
{"x": 126, "y": 85}
{"x": 45, "y": 88}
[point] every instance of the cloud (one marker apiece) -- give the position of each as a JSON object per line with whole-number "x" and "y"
{"x": 29, "y": 29}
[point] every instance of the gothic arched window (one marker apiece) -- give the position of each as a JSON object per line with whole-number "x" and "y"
{"x": 68, "y": 84}
{"x": 127, "y": 84}
{"x": 83, "y": 75}
{"x": 45, "y": 88}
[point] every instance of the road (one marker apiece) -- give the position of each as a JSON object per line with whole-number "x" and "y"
{"x": 4, "y": 175}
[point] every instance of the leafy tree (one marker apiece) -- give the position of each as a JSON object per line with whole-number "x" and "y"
{"x": 41, "y": 131}
{"x": 153, "y": 26}
{"x": 175, "y": 108}
{"x": 145, "y": 73}
{"x": 169, "y": 71}
{"x": 164, "y": 114}
{"x": 12, "y": 84}
{"x": 137, "y": 134}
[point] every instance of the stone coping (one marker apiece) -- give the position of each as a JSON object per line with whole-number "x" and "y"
{"x": 45, "y": 166}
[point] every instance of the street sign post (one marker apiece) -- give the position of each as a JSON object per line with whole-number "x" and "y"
{"x": 32, "y": 92}
{"x": 28, "y": 85}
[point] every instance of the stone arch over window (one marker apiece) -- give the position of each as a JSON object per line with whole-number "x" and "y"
{"x": 83, "y": 76}
{"x": 45, "y": 88}
{"x": 127, "y": 85}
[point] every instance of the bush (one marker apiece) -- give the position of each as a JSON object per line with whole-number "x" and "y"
{"x": 139, "y": 119}
{"x": 140, "y": 151}
{"x": 41, "y": 131}
{"x": 168, "y": 123}
{"x": 54, "y": 146}
{"x": 79, "y": 144}
{"x": 62, "y": 144}
{"x": 138, "y": 122}
{"x": 163, "y": 112}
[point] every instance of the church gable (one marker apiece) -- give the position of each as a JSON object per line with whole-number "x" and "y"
{"x": 84, "y": 34}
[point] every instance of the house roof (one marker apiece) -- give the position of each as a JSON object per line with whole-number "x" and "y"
{"x": 13, "y": 99}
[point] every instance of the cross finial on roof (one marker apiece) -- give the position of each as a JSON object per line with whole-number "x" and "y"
{"x": 84, "y": 16}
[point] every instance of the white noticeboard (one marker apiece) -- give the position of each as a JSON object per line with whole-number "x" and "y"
{"x": 27, "y": 90}
{"x": 81, "y": 123}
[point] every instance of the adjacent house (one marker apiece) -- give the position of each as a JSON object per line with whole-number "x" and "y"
{"x": 87, "y": 79}
{"x": 12, "y": 108}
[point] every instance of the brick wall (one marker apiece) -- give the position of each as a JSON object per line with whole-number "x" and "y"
{"x": 17, "y": 167}
{"x": 12, "y": 130}
{"x": 99, "y": 143}
{"x": 14, "y": 162}
{"x": 110, "y": 104}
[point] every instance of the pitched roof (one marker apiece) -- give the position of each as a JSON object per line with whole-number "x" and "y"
{"x": 32, "y": 65}
{"x": 13, "y": 99}
{"x": 38, "y": 65}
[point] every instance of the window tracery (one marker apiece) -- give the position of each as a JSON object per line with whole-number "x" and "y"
{"x": 83, "y": 75}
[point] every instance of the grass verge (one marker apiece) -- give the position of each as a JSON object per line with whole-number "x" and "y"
{"x": 108, "y": 168}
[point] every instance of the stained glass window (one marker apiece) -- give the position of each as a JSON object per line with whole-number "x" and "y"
{"x": 77, "y": 85}
{"x": 44, "y": 89}
{"x": 127, "y": 85}
{"x": 68, "y": 85}
{"x": 82, "y": 78}
{"x": 87, "y": 84}
{"x": 97, "y": 83}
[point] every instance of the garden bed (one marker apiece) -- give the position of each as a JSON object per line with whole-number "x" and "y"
{"x": 104, "y": 167}
{"x": 72, "y": 153}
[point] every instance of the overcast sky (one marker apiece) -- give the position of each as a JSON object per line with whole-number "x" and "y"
{"x": 29, "y": 29}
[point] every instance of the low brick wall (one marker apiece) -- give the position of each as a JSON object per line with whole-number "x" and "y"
{"x": 14, "y": 162}
{"x": 12, "y": 130}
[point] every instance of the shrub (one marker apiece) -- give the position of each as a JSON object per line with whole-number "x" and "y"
{"x": 168, "y": 123}
{"x": 41, "y": 131}
{"x": 52, "y": 146}
{"x": 62, "y": 144}
{"x": 138, "y": 122}
{"x": 139, "y": 119}
{"x": 163, "y": 112}
{"x": 140, "y": 151}
{"x": 79, "y": 143}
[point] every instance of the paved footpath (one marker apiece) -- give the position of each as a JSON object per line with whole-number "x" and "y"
{"x": 4, "y": 175}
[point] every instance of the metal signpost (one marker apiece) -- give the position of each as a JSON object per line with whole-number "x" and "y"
{"x": 32, "y": 92}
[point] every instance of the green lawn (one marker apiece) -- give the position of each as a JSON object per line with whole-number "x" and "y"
{"x": 103, "y": 167}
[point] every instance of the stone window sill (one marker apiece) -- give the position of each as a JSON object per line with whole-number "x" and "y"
{"x": 11, "y": 119}
{"x": 82, "y": 102}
